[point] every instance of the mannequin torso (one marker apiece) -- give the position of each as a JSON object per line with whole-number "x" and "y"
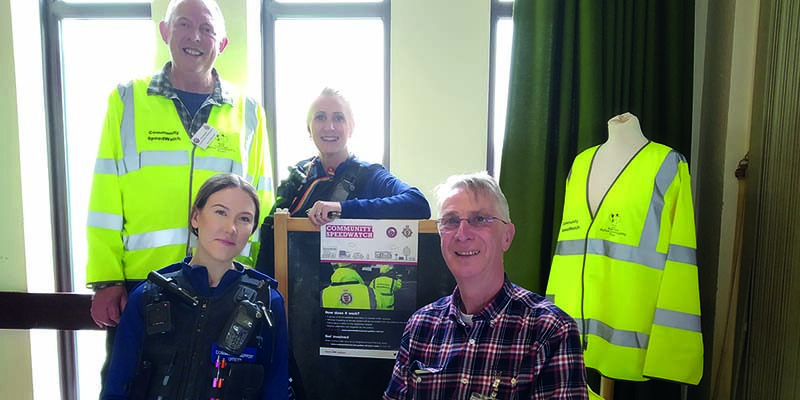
{"x": 625, "y": 139}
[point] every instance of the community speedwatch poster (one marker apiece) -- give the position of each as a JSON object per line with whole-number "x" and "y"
{"x": 368, "y": 276}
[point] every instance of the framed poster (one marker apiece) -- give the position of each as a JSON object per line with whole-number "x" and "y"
{"x": 352, "y": 365}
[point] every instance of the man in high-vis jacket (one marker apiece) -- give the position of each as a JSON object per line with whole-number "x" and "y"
{"x": 385, "y": 285}
{"x": 163, "y": 136}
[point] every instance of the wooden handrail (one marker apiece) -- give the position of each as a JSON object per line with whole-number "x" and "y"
{"x": 60, "y": 311}
{"x": 71, "y": 311}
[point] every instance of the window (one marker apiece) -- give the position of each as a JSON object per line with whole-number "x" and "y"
{"x": 339, "y": 45}
{"x": 124, "y": 36}
{"x": 502, "y": 35}
{"x": 86, "y": 89}
{"x": 349, "y": 59}
{"x": 93, "y": 45}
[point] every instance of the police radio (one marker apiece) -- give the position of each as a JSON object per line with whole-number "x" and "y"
{"x": 242, "y": 325}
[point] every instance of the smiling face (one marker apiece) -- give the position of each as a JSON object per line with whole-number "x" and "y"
{"x": 330, "y": 126}
{"x": 223, "y": 226}
{"x": 474, "y": 254}
{"x": 195, "y": 36}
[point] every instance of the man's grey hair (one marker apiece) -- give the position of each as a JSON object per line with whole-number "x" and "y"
{"x": 216, "y": 13}
{"x": 479, "y": 184}
{"x": 330, "y": 92}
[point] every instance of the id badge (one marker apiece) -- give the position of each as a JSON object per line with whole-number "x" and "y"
{"x": 204, "y": 136}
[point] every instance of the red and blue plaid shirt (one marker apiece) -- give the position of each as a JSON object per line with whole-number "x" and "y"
{"x": 520, "y": 346}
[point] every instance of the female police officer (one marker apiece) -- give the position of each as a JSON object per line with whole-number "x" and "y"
{"x": 206, "y": 327}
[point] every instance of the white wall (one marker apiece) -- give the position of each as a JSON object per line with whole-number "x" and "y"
{"x": 439, "y": 90}
{"x": 15, "y": 360}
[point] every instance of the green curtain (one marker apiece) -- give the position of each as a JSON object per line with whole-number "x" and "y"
{"x": 575, "y": 65}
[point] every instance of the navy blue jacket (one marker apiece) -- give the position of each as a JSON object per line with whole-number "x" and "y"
{"x": 377, "y": 195}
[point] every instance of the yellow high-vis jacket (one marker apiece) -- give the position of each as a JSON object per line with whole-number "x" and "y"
{"x": 146, "y": 168}
{"x": 347, "y": 290}
{"x": 628, "y": 275}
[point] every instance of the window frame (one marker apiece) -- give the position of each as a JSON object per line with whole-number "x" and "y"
{"x": 53, "y": 12}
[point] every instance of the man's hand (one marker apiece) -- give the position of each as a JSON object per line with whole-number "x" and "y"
{"x": 107, "y": 305}
{"x": 323, "y": 212}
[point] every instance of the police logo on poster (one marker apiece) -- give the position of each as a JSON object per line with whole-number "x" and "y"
{"x": 346, "y": 297}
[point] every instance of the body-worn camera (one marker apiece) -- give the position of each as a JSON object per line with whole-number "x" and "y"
{"x": 159, "y": 318}
{"x": 158, "y": 314}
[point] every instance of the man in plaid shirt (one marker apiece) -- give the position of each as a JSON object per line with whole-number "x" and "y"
{"x": 490, "y": 339}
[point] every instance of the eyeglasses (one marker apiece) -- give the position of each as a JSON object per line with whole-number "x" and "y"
{"x": 450, "y": 224}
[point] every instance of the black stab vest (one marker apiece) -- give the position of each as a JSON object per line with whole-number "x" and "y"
{"x": 179, "y": 364}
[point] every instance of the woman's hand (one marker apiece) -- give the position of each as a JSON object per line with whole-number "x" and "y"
{"x": 323, "y": 212}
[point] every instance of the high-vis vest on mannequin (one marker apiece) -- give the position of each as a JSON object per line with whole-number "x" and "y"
{"x": 629, "y": 275}
{"x": 139, "y": 205}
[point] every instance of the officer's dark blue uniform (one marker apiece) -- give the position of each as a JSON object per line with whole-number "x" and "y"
{"x": 184, "y": 362}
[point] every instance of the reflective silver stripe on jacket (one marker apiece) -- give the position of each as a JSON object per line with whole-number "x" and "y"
{"x": 645, "y": 253}
{"x": 639, "y": 340}
{"x": 677, "y": 319}
{"x": 127, "y": 131}
{"x": 652, "y": 224}
{"x": 250, "y": 123}
{"x": 617, "y": 251}
{"x": 264, "y": 183}
{"x": 105, "y": 166}
{"x": 149, "y": 240}
{"x": 617, "y": 337}
{"x": 104, "y": 220}
{"x": 166, "y": 237}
